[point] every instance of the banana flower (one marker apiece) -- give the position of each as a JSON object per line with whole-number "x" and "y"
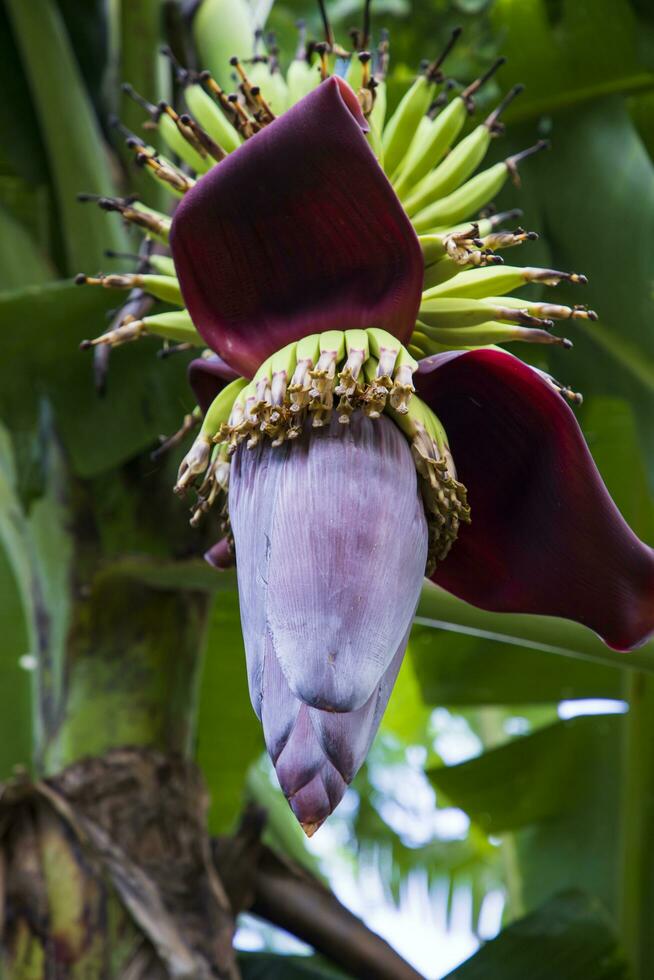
{"x": 361, "y": 427}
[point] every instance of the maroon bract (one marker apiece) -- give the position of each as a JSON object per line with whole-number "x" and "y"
{"x": 207, "y": 376}
{"x": 296, "y": 232}
{"x": 546, "y": 536}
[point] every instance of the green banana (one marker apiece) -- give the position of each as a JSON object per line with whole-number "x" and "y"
{"x": 433, "y": 248}
{"x": 385, "y": 347}
{"x": 332, "y": 343}
{"x": 395, "y": 367}
{"x": 377, "y": 117}
{"x": 211, "y": 117}
{"x": 161, "y": 169}
{"x": 179, "y": 145}
{"x": 453, "y": 312}
{"x": 457, "y": 166}
{"x": 284, "y": 361}
{"x": 440, "y": 273}
{"x": 420, "y": 415}
{"x": 357, "y": 347}
{"x": 357, "y": 340}
{"x": 176, "y": 326}
{"x": 473, "y": 195}
{"x": 431, "y": 142}
{"x": 552, "y": 311}
{"x": 490, "y": 332}
{"x": 162, "y": 264}
{"x": 154, "y": 222}
{"x": 221, "y": 29}
{"x": 272, "y": 84}
{"x": 374, "y": 139}
{"x": 498, "y": 279}
{"x": 201, "y": 452}
{"x": 427, "y": 150}
{"x": 484, "y": 226}
{"x": 403, "y": 124}
{"x": 308, "y": 349}
{"x": 165, "y": 288}
{"x": 354, "y": 73}
{"x": 464, "y": 201}
{"x": 401, "y": 127}
{"x": 301, "y": 78}
{"x": 220, "y": 408}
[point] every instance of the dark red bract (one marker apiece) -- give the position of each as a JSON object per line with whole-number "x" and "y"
{"x": 545, "y": 535}
{"x": 207, "y": 376}
{"x": 298, "y": 231}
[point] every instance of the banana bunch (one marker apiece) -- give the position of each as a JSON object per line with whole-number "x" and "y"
{"x": 369, "y": 370}
{"x": 431, "y": 169}
{"x": 434, "y": 172}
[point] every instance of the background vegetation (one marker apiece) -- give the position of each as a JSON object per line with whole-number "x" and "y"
{"x": 105, "y": 604}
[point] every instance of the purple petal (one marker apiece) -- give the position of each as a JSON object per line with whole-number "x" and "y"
{"x": 317, "y": 753}
{"x": 208, "y": 376}
{"x": 253, "y": 481}
{"x": 545, "y": 535}
{"x": 331, "y": 546}
{"x": 296, "y": 232}
{"x": 220, "y": 555}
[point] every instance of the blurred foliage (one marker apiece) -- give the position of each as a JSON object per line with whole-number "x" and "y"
{"x": 572, "y": 801}
{"x": 570, "y": 934}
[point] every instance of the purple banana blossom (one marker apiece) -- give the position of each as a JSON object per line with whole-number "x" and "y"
{"x": 298, "y": 231}
{"x": 319, "y": 553}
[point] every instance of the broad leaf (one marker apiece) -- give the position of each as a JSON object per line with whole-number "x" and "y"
{"x": 557, "y": 789}
{"x": 463, "y": 668}
{"x": 611, "y": 234}
{"x": 498, "y": 789}
{"x": 269, "y": 966}
{"x": 41, "y": 329}
{"x": 608, "y": 235}
{"x": 77, "y": 156}
{"x": 569, "y": 938}
{"x": 21, "y": 148}
{"x": 21, "y": 262}
{"x": 15, "y": 726}
{"x": 570, "y": 51}
{"x": 547, "y": 634}
{"x": 229, "y": 734}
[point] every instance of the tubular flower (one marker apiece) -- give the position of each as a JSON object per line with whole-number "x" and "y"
{"x": 359, "y": 427}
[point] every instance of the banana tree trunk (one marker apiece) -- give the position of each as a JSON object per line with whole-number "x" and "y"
{"x": 105, "y": 862}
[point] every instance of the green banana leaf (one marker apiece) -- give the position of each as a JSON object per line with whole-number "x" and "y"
{"x": 229, "y": 733}
{"x": 571, "y": 51}
{"x": 557, "y": 792}
{"x": 569, "y": 938}
{"x": 41, "y": 329}
{"x": 268, "y": 966}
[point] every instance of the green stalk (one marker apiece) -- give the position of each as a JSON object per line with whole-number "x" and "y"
{"x": 636, "y": 882}
{"x": 140, "y": 64}
{"x": 630, "y": 357}
{"x": 77, "y": 155}
{"x": 21, "y": 262}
